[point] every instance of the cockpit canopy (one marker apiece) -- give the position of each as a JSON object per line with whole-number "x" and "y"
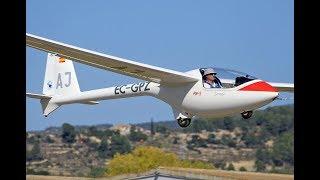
{"x": 234, "y": 78}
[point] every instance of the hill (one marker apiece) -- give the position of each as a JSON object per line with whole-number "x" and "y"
{"x": 263, "y": 143}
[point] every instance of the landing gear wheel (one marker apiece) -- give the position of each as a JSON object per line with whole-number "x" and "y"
{"x": 184, "y": 122}
{"x": 246, "y": 115}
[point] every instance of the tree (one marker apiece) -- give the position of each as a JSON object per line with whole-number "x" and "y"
{"x": 136, "y": 135}
{"x": 196, "y": 141}
{"x": 68, "y": 133}
{"x": 49, "y": 140}
{"x": 152, "y": 127}
{"x": 103, "y": 148}
{"x": 282, "y": 150}
{"x": 230, "y": 167}
{"x": 228, "y": 123}
{"x": 220, "y": 163}
{"x": 161, "y": 129}
{"x": 250, "y": 140}
{"x": 260, "y": 166}
{"x": 108, "y": 133}
{"x": 92, "y": 131}
{"x": 263, "y": 155}
{"x": 97, "y": 172}
{"x": 242, "y": 168}
{"x": 212, "y": 139}
{"x": 228, "y": 141}
{"x": 119, "y": 144}
{"x": 35, "y": 153}
{"x": 175, "y": 140}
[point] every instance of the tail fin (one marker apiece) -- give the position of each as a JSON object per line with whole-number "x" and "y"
{"x": 60, "y": 79}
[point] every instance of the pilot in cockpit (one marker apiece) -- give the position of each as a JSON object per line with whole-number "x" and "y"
{"x": 210, "y": 80}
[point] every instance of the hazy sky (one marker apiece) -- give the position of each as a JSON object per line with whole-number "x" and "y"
{"x": 253, "y": 36}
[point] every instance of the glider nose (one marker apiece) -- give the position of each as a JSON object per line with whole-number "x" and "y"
{"x": 268, "y": 92}
{"x": 260, "y": 86}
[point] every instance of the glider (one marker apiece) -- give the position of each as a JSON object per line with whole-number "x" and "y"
{"x": 185, "y": 92}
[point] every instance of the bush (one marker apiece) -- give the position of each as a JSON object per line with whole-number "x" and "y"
{"x": 30, "y": 171}
{"x": 44, "y": 173}
{"x": 242, "y": 168}
{"x": 230, "y": 167}
{"x": 146, "y": 158}
{"x": 97, "y": 172}
{"x": 33, "y": 172}
{"x": 220, "y": 164}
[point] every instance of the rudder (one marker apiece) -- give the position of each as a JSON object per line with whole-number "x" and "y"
{"x": 60, "y": 77}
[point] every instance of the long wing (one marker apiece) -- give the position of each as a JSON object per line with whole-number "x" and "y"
{"x": 282, "y": 87}
{"x": 110, "y": 63}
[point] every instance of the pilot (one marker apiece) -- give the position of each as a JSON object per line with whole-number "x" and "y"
{"x": 210, "y": 80}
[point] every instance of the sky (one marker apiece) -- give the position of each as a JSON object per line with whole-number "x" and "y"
{"x": 252, "y": 36}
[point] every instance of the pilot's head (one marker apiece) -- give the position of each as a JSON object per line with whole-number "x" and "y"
{"x": 209, "y": 74}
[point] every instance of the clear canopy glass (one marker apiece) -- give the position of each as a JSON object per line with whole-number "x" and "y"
{"x": 237, "y": 76}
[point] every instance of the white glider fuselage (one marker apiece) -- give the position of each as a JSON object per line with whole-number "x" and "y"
{"x": 189, "y": 99}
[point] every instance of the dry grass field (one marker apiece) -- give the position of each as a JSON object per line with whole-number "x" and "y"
{"x": 186, "y": 172}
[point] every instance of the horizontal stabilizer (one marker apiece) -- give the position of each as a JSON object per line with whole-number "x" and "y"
{"x": 48, "y": 107}
{"x": 38, "y": 96}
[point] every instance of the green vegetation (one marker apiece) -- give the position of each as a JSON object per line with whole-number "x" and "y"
{"x": 212, "y": 139}
{"x": 33, "y": 172}
{"x": 228, "y": 141}
{"x": 68, "y": 133}
{"x": 146, "y": 158}
{"x": 152, "y": 128}
{"x": 93, "y": 131}
{"x": 273, "y": 123}
{"x": 49, "y": 140}
{"x": 175, "y": 140}
{"x": 119, "y": 144}
{"x": 97, "y": 172}
{"x": 34, "y": 154}
{"x": 136, "y": 135}
{"x": 280, "y": 154}
{"x": 196, "y": 141}
{"x": 103, "y": 148}
{"x": 269, "y": 134}
{"x": 162, "y": 129}
{"x": 230, "y": 167}
{"x": 220, "y": 164}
